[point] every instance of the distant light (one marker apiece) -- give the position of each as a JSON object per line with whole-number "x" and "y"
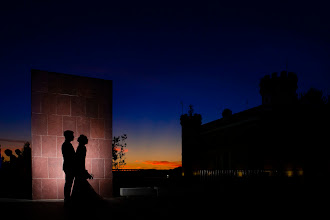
{"x": 167, "y": 176}
{"x": 182, "y": 173}
{"x": 289, "y": 173}
{"x": 240, "y": 173}
{"x": 269, "y": 172}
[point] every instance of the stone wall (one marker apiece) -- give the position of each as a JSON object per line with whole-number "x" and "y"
{"x": 62, "y": 102}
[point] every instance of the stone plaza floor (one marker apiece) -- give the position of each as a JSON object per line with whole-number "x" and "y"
{"x": 187, "y": 205}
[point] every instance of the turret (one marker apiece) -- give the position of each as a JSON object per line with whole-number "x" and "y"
{"x": 191, "y": 124}
{"x": 281, "y": 89}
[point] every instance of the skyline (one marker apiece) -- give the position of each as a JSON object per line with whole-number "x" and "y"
{"x": 210, "y": 55}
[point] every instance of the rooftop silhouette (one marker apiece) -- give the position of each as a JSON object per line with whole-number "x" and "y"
{"x": 284, "y": 137}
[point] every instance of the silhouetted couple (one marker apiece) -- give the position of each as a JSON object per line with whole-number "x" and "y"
{"x": 74, "y": 169}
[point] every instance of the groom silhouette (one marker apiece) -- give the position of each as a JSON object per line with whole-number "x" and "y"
{"x": 68, "y": 164}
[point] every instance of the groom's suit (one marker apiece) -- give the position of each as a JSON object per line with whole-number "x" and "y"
{"x": 68, "y": 167}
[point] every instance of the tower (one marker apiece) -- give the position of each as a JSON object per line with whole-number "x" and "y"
{"x": 191, "y": 124}
{"x": 281, "y": 89}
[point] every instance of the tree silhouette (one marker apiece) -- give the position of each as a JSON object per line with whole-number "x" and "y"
{"x": 313, "y": 96}
{"x": 118, "y": 151}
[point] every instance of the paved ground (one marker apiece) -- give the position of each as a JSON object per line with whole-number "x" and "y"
{"x": 190, "y": 204}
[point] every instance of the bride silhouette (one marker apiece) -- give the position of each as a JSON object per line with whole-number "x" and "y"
{"x": 83, "y": 192}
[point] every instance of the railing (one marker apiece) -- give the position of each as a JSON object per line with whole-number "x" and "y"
{"x": 209, "y": 175}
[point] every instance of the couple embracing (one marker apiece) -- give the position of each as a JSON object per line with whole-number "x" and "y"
{"x": 75, "y": 171}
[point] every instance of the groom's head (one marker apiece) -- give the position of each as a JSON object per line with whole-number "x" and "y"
{"x": 68, "y": 135}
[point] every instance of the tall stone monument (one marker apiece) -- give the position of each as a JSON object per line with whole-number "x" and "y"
{"x": 62, "y": 102}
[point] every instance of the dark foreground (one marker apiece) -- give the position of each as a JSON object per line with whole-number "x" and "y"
{"x": 196, "y": 202}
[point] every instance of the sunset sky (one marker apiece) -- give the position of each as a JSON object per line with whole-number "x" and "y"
{"x": 209, "y": 54}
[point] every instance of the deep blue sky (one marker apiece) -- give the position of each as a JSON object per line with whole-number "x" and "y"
{"x": 206, "y": 53}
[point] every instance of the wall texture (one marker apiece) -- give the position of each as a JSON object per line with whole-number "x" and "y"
{"x": 62, "y": 102}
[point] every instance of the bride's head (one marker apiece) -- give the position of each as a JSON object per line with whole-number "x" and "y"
{"x": 82, "y": 139}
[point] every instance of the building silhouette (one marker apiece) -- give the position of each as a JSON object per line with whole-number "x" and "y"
{"x": 285, "y": 136}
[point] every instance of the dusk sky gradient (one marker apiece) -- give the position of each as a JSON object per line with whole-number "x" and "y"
{"x": 210, "y": 54}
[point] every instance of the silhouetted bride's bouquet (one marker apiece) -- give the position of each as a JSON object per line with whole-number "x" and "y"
{"x": 87, "y": 175}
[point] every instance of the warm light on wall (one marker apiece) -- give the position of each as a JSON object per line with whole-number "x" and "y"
{"x": 61, "y": 102}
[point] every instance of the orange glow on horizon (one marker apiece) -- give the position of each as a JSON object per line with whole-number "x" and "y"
{"x": 158, "y": 165}
{"x": 173, "y": 164}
